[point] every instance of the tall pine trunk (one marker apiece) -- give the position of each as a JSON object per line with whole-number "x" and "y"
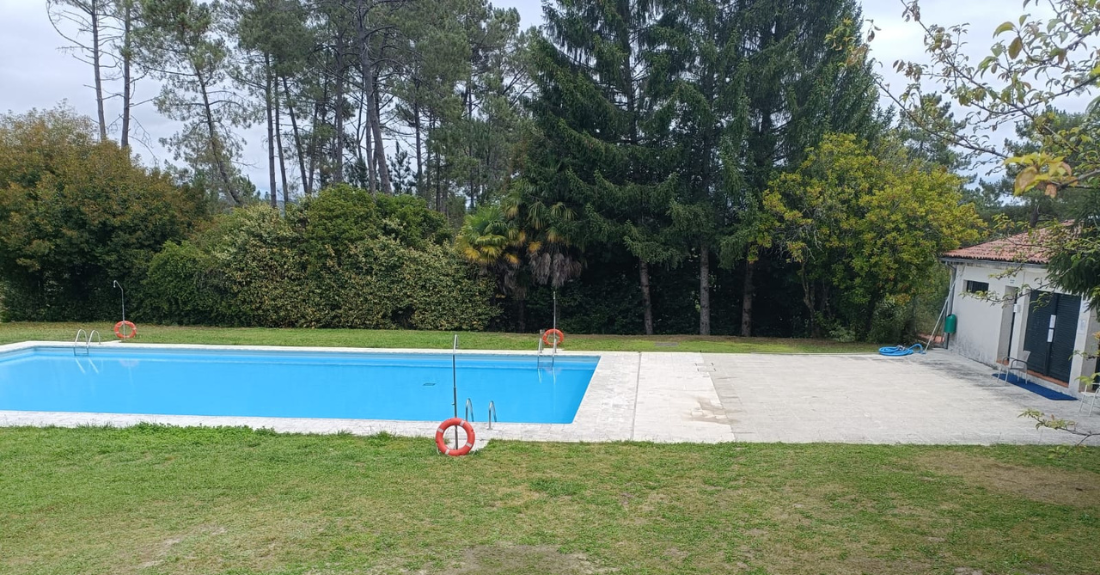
{"x": 366, "y": 154}
{"x": 416, "y": 128}
{"x": 127, "y": 57}
{"x": 319, "y": 115}
{"x": 370, "y": 91}
{"x": 747, "y": 297}
{"x": 215, "y": 144}
{"x": 379, "y": 147}
{"x": 279, "y": 142}
{"x": 272, "y": 190}
{"x": 647, "y": 301}
{"x": 338, "y": 119}
{"x": 297, "y": 138}
{"x": 704, "y": 289}
{"x": 93, "y": 9}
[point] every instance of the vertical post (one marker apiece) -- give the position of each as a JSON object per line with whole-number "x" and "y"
{"x": 555, "y": 308}
{"x": 555, "y": 321}
{"x": 115, "y": 283}
{"x": 454, "y": 382}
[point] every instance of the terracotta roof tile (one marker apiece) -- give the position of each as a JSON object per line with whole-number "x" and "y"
{"x": 1021, "y": 248}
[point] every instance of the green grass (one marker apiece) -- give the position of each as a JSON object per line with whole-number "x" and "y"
{"x": 15, "y": 332}
{"x": 162, "y": 500}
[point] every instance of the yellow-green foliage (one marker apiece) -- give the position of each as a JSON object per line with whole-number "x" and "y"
{"x": 868, "y": 226}
{"x": 371, "y": 263}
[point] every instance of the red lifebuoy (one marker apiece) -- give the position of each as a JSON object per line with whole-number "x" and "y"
{"x": 559, "y": 336}
{"x": 129, "y": 324}
{"x": 443, "y": 427}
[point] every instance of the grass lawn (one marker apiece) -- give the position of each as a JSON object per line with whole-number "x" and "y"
{"x": 162, "y": 500}
{"x": 14, "y": 332}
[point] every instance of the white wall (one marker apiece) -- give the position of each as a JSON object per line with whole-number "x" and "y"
{"x": 979, "y": 320}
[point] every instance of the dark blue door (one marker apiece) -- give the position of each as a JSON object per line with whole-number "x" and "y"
{"x": 1051, "y": 332}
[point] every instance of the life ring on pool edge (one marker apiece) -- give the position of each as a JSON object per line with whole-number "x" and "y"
{"x": 129, "y": 324}
{"x": 443, "y": 427}
{"x": 556, "y": 332}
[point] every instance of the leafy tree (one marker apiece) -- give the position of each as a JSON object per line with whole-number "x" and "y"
{"x": 864, "y": 226}
{"x": 77, "y": 213}
{"x": 805, "y": 76}
{"x": 1036, "y": 64}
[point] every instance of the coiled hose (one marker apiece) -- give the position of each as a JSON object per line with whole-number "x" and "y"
{"x": 900, "y": 350}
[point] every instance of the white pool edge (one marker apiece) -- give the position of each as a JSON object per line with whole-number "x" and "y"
{"x": 605, "y": 414}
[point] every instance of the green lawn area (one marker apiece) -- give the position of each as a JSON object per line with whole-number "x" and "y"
{"x": 162, "y": 500}
{"x": 14, "y": 332}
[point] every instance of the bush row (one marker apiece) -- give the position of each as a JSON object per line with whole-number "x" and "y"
{"x": 344, "y": 259}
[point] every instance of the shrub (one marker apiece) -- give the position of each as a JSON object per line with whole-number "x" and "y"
{"x": 893, "y": 321}
{"x": 345, "y": 259}
{"x": 76, "y": 214}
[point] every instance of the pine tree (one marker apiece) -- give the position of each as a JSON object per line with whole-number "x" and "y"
{"x": 602, "y": 167}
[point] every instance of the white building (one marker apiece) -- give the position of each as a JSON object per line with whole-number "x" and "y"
{"x": 1007, "y": 310}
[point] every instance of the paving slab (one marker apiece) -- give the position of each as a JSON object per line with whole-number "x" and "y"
{"x": 935, "y": 398}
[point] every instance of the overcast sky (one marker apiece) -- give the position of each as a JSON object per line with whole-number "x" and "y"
{"x": 35, "y": 73}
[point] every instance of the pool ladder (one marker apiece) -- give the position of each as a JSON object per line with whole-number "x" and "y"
{"x": 542, "y": 345}
{"x": 87, "y": 340}
{"x": 470, "y": 412}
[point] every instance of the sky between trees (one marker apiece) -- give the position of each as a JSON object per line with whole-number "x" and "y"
{"x": 35, "y": 73}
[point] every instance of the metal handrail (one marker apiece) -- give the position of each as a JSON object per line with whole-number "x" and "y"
{"x": 98, "y": 338}
{"x": 538, "y": 361}
{"x": 76, "y": 340}
{"x": 469, "y": 410}
{"x": 492, "y": 414}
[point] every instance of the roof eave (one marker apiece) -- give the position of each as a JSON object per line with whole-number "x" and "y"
{"x": 949, "y": 260}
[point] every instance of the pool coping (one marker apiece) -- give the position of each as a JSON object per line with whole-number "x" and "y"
{"x": 606, "y": 412}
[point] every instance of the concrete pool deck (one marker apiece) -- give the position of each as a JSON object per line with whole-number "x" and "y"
{"x": 937, "y": 398}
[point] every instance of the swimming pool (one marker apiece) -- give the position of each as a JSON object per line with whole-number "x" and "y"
{"x": 291, "y": 383}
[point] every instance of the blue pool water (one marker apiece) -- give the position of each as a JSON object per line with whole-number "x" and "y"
{"x": 415, "y": 387}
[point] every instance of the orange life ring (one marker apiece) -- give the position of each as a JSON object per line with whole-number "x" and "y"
{"x": 129, "y": 324}
{"x": 443, "y": 427}
{"x": 557, "y": 332}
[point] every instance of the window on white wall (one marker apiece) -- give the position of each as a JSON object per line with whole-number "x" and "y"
{"x": 976, "y": 287}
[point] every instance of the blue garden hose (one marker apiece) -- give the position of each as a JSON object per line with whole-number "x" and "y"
{"x": 900, "y": 350}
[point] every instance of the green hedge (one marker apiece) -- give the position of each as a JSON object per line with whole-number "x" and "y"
{"x": 374, "y": 263}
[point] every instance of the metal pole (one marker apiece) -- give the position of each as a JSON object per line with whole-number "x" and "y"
{"x": 454, "y": 382}
{"x": 115, "y": 283}
{"x": 555, "y": 308}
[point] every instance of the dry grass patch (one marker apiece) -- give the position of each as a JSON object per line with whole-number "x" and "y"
{"x": 507, "y": 559}
{"x": 1044, "y": 485}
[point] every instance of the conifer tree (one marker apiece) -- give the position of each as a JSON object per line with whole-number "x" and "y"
{"x": 602, "y": 171}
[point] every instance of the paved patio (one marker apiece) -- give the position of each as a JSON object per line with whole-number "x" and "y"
{"x": 937, "y": 398}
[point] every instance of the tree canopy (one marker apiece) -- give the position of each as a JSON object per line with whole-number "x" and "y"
{"x": 1036, "y": 64}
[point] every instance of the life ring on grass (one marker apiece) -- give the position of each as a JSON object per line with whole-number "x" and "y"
{"x": 559, "y": 337}
{"x": 129, "y": 324}
{"x": 443, "y": 427}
